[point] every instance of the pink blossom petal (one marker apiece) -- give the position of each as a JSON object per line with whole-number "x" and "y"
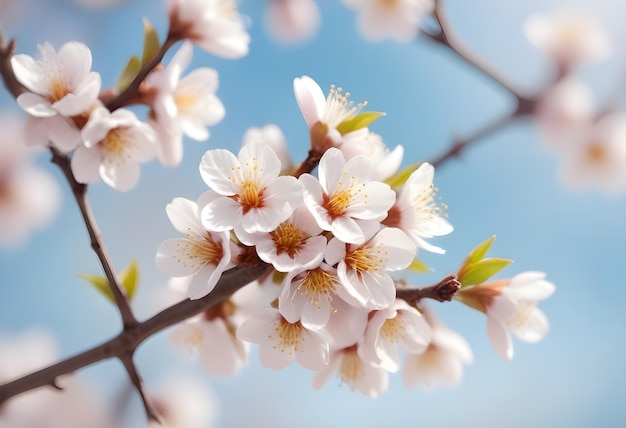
{"x": 500, "y": 338}
{"x": 85, "y": 163}
{"x": 35, "y": 105}
{"x": 310, "y": 98}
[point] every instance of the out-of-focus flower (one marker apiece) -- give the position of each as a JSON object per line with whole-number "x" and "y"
{"x": 115, "y": 144}
{"x": 397, "y": 19}
{"x": 282, "y": 342}
{"x": 511, "y": 305}
{"x": 29, "y": 196}
{"x": 599, "y": 160}
{"x": 58, "y": 82}
{"x": 213, "y": 25}
{"x": 201, "y": 253}
{"x": 363, "y": 142}
{"x": 443, "y": 361}
{"x": 248, "y": 192}
{"x": 564, "y": 112}
{"x": 273, "y": 136}
{"x": 569, "y": 37}
{"x": 397, "y": 325}
{"x": 292, "y": 21}
{"x": 362, "y": 375}
{"x": 74, "y": 406}
{"x": 362, "y": 269}
{"x": 416, "y": 212}
{"x": 183, "y": 105}
{"x": 99, "y": 4}
{"x": 344, "y": 200}
{"x": 185, "y": 402}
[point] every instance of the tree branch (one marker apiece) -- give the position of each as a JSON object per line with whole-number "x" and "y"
{"x": 443, "y": 291}
{"x": 80, "y": 194}
{"x": 7, "y": 50}
{"x": 128, "y": 340}
{"x": 151, "y": 410}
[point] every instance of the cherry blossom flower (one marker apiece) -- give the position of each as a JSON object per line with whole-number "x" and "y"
{"x": 308, "y": 294}
{"x": 416, "y": 212}
{"x": 511, "y": 305}
{"x": 213, "y": 25}
{"x": 294, "y": 244}
{"x": 361, "y": 375}
{"x": 599, "y": 160}
{"x": 56, "y": 131}
{"x": 184, "y": 105}
{"x": 115, "y": 144}
{"x": 212, "y": 336}
{"x": 273, "y": 136}
{"x": 362, "y": 269}
{"x": 325, "y": 116}
{"x": 29, "y": 196}
{"x": 443, "y": 361}
{"x": 397, "y": 325}
{"x": 248, "y": 193}
{"x": 201, "y": 253}
{"x": 292, "y": 21}
{"x": 564, "y": 112}
{"x": 184, "y": 402}
{"x": 344, "y": 200}
{"x": 58, "y": 82}
{"x": 366, "y": 143}
{"x": 398, "y": 19}
{"x": 282, "y": 342}
{"x": 569, "y": 37}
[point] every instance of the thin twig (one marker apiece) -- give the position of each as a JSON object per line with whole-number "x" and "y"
{"x": 151, "y": 411}
{"x": 79, "y": 190}
{"x": 128, "y": 340}
{"x": 443, "y": 291}
{"x": 6, "y": 70}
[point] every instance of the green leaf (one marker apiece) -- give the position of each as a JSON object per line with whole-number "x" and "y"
{"x": 129, "y": 279}
{"x": 361, "y": 120}
{"x": 480, "y": 251}
{"x": 101, "y": 284}
{"x": 400, "y": 177}
{"x": 130, "y": 71}
{"x": 482, "y": 270}
{"x": 151, "y": 43}
{"x": 418, "y": 266}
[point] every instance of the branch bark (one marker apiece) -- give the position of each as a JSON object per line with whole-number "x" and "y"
{"x": 443, "y": 291}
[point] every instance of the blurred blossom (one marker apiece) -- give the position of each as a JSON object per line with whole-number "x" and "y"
{"x": 443, "y": 361}
{"x": 563, "y": 112}
{"x": 99, "y": 4}
{"x": 599, "y": 160}
{"x": 273, "y": 136}
{"x": 569, "y": 37}
{"x": 292, "y": 21}
{"x": 366, "y": 143}
{"x": 29, "y": 196}
{"x": 214, "y": 25}
{"x": 185, "y": 402}
{"x": 396, "y": 19}
{"x": 72, "y": 407}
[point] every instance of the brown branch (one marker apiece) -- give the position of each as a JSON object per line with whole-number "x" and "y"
{"x": 128, "y": 340}
{"x": 151, "y": 411}
{"x": 80, "y": 194}
{"x": 127, "y": 94}
{"x": 443, "y": 291}
{"x": 7, "y": 50}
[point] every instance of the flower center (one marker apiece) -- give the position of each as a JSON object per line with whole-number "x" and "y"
{"x": 388, "y": 4}
{"x": 185, "y": 102}
{"x": 289, "y": 335}
{"x": 57, "y": 89}
{"x": 522, "y": 317}
{"x": 250, "y": 196}
{"x": 366, "y": 259}
{"x": 115, "y": 145}
{"x": 597, "y": 153}
{"x": 317, "y": 282}
{"x": 337, "y": 203}
{"x": 351, "y": 368}
{"x": 339, "y": 108}
{"x": 288, "y": 239}
{"x": 393, "y": 330}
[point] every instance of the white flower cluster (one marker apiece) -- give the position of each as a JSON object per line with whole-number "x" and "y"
{"x": 592, "y": 144}
{"x": 332, "y": 239}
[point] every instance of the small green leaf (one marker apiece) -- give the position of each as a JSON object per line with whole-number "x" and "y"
{"x": 129, "y": 279}
{"x": 130, "y": 71}
{"x": 418, "y": 266}
{"x": 361, "y": 120}
{"x": 400, "y": 177}
{"x": 151, "y": 43}
{"x": 101, "y": 284}
{"x": 479, "y": 272}
{"x": 480, "y": 251}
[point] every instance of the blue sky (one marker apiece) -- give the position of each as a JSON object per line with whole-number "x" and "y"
{"x": 505, "y": 185}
